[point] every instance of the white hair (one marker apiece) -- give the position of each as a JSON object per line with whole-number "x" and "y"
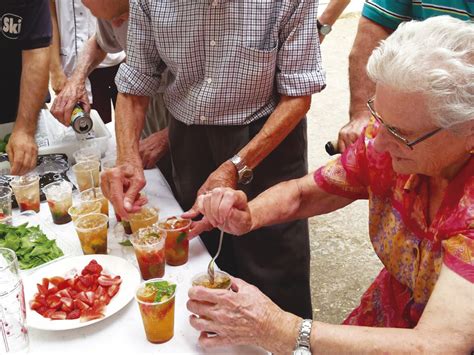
{"x": 434, "y": 57}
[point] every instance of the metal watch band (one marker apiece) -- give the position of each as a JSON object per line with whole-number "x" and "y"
{"x": 304, "y": 335}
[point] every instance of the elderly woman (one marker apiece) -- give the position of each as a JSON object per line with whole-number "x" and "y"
{"x": 414, "y": 164}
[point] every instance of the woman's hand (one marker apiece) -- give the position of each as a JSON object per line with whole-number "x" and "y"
{"x": 243, "y": 315}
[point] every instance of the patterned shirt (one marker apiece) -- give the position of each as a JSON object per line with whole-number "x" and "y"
{"x": 390, "y": 13}
{"x": 230, "y": 59}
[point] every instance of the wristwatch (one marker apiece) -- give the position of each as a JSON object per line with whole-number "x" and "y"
{"x": 324, "y": 29}
{"x": 303, "y": 345}
{"x": 244, "y": 172}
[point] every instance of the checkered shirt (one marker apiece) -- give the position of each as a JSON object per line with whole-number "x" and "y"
{"x": 231, "y": 60}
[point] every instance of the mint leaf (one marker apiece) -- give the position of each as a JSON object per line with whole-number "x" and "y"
{"x": 126, "y": 243}
{"x": 181, "y": 237}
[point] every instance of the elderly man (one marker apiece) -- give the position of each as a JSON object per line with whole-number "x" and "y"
{"x": 25, "y": 36}
{"x": 244, "y": 74}
{"x": 415, "y": 166}
{"x": 379, "y": 19}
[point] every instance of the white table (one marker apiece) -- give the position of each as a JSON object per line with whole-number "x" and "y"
{"x": 123, "y": 332}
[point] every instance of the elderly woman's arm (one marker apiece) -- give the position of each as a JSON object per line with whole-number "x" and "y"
{"x": 228, "y": 209}
{"x": 247, "y": 316}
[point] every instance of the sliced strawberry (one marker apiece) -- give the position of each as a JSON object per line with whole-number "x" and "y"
{"x": 90, "y": 297}
{"x": 56, "y": 280}
{"x": 42, "y": 310}
{"x": 87, "y": 280}
{"x": 82, "y": 306}
{"x": 64, "y": 293}
{"x": 48, "y": 313}
{"x": 107, "y": 281}
{"x": 52, "y": 290}
{"x": 65, "y": 284}
{"x": 79, "y": 286}
{"x": 74, "y": 314}
{"x": 82, "y": 297}
{"x": 45, "y": 283}
{"x": 89, "y": 315}
{"x": 53, "y": 301}
{"x": 112, "y": 290}
{"x": 65, "y": 308}
{"x": 34, "y": 305}
{"x": 67, "y": 301}
{"x": 58, "y": 315}
{"x": 72, "y": 292}
{"x": 42, "y": 290}
{"x": 99, "y": 292}
{"x": 105, "y": 298}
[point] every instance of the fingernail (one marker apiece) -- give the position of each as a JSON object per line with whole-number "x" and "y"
{"x": 127, "y": 204}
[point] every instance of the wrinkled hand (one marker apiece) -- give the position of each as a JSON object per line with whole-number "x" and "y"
{"x": 352, "y": 130}
{"x": 73, "y": 92}
{"x": 58, "y": 81}
{"x": 224, "y": 176}
{"x": 241, "y": 316}
{"x": 122, "y": 185}
{"x": 153, "y": 148}
{"x": 22, "y": 152}
{"x": 226, "y": 209}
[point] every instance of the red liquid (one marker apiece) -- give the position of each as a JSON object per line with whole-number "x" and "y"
{"x": 152, "y": 264}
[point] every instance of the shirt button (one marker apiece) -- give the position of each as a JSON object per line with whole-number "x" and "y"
{"x": 203, "y": 118}
{"x": 213, "y": 43}
{"x": 209, "y": 81}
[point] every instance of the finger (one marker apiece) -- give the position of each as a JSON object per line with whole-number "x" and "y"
{"x": 68, "y": 107}
{"x": 208, "y": 341}
{"x": 31, "y": 160}
{"x": 190, "y": 214}
{"x": 230, "y": 200}
{"x": 17, "y": 166}
{"x": 201, "y": 324}
{"x": 206, "y": 209}
{"x": 198, "y": 227}
{"x": 203, "y": 294}
{"x": 136, "y": 185}
{"x": 85, "y": 103}
{"x": 114, "y": 192}
{"x": 215, "y": 201}
{"x": 202, "y": 309}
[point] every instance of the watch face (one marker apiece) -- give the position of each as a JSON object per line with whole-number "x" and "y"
{"x": 301, "y": 351}
{"x": 246, "y": 176}
{"x": 325, "y": 29}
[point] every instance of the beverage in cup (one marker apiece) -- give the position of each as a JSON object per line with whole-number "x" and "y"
{"x": 83, "y": 208}
{"x": 146, "y": 217}
{"x": 5, "y": 204}
{"x": 27, "y": 192}
{"x": 86, "y": 154}
{"x": 92, "y": 232}
{"x": 94, "y": 195}
{"x": 221, "y": 280}
{"x": 149, "y": 245}
{"x": 87, "y": 174}
{"x": 177, "y": 242}
{"x": 59, "y": 197}
{"x": 156, "y": 299}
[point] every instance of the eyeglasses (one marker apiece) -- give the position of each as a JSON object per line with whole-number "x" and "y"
{"x": 393, "y": 131}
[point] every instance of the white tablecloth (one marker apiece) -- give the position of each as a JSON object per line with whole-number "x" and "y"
{"x": 123, "y": 332}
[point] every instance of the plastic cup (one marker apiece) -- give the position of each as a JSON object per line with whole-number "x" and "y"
{"x": 157, "y": 316}
{"x": 149, "y": 245}
{"x": 108, "y": 163}
{"x": 177, "y": 242}
{"x": 86, "y": 154}
{"x": 5, "y": 204}
{"x": 222, "y": 280}
{"x": 59, "y": 197}
{"x": 27, "y": 192}
{"x": 96, "y": 195}
{"x": 87, "y": 174}
{"x": 146, "y": 217}
{"x": 84, "y": 208}
{"x": 92, "y": 232}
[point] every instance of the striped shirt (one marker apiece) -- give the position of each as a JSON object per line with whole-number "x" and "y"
{"x": 390, "y": 13}
{"x": 231, "y": 60}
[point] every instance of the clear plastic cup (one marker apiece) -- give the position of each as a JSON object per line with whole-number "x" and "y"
{"x": 5, "y": 204}
{"x": 149, "y": 246}
{"x": 96, "y": 195}
{"x": 92, "y": 232}
{"x": 222, "y": 280}
{"x": 59, "y": 197}
{"x": 157, "y": 316}
{"x": 12, "y": 300}
{"x": 146, "y": 217}
{"x": 27, "y": 192}
{"x": 177, "y": 242}
{"x": 87, "y": 154}
{"x": 108, "y": 163}
{"x": 84, "y": 208}
{"x": 87, "y": 174}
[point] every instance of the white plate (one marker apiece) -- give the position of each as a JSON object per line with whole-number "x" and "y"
{"x": 112, "y": 265}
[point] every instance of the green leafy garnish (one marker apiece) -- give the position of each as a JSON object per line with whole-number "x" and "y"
{"x": 163, "y": 289}
{"x": 181, "y": 237}
{"x": 126, "y": 243}
{"x": 31, "y": 245}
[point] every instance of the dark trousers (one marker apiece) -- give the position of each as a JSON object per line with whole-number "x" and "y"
{"x": 104, "y": 91}
{"x": 275, "y": 259}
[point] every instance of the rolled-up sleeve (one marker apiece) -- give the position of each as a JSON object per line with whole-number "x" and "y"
{"x": 299, "y": 69}
{"x": 140, "y": 74}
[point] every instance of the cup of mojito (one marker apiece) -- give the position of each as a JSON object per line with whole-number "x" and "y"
{"x": 149, "y": 245}
{"x": 156, "y": 299}
{"x": 27, "y": 192}
{"x": 177, "y": 242}
{"x": 96, "y": 195}
{"x": 92, "y": 232}
{"x": 147, "y": 216}
{"x": 59, "y": 197}
{"x": 83, "y": 208}
{"x": 87, "y": 174}
{"x": 5, "y": 204}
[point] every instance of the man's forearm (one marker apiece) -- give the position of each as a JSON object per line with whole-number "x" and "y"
{"x": 91, "y": 56}
{"x": 281, "y": 122}
{"x": 33, "y": 88}
{"x": 129, "y": 120}
{"x": 333, "y": 11}
{"x": 369, "y": 35}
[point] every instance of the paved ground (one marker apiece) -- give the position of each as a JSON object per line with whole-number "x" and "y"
{"x": 342, "y": 260}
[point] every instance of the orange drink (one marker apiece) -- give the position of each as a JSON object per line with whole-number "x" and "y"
{"x": 177, "y": 242}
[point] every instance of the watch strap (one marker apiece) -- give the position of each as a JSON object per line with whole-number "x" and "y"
{"x": 303, "y": 339}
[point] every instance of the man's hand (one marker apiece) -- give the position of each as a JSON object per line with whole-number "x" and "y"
{"x": 122, "y": 185}
{"x": 74, "y": 92}
{"x": 352, "y": 130}
{"x": 224, "y": 176}
{"x": 22, "y": 152}
{"x": 153, "y": 148}
{"x": 58, "y": 80}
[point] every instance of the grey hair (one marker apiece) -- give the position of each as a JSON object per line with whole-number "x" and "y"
{"x": 434, "y": 57}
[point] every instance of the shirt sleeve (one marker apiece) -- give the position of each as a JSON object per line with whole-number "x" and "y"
{"x": 388, "y": 13}
{"x": 36, "y": 28}
{"x": 299, "y": 70}
{"x": 140, "y": 75}
{"x": 105, "y": 37}
{"x": 459, "y": 254}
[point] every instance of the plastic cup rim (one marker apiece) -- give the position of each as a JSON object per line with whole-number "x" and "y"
{"x": 155, "y": 303}
{"x": 199, "y": 274}
{"x": 175, "y": 229}
{"x": 92, "y": 228}
{"x": 14, "y": 260}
